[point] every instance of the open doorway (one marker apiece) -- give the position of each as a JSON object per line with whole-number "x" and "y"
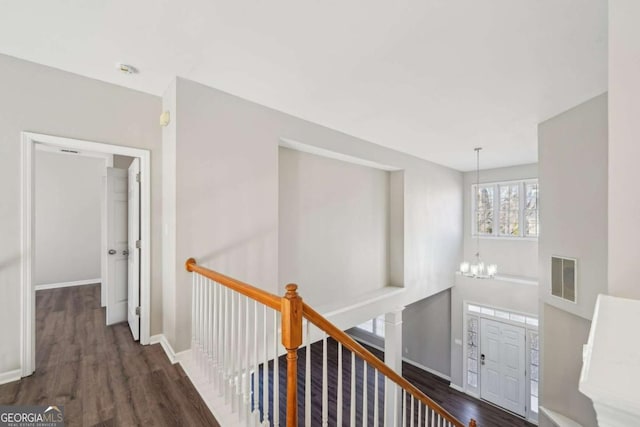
{"x": 124, "y": 228}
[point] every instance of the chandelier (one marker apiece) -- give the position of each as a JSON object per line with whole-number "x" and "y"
{"x": 478, "y": 269}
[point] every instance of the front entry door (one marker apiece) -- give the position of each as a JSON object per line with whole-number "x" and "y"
{"x": 503, "y": 362}
{"x": 134, "y": 249}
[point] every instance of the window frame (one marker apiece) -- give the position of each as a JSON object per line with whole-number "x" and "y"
{"x": 522, "y": 183}
{"x": 374, "y": 326}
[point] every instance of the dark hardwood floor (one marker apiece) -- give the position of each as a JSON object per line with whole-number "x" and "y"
{"x": 460, "y": 405}
{"x": 100, "y": 375}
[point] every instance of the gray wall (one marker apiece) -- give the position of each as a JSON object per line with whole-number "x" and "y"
{"x": 573, "y": 200}
{"x": 573, "y": 213}
{"x": 563, "y": 335}
{"x": 45, "y": 100}
{"x": 514, "y": 257}
{"x": 169, "y": 215}
{"x": 492, "y": 292}
{"x": 227, "y": 198}
{"x": 333, "y": 226}
{"x": 624, "y": 147}
{"x": 68, "y": 193}
{"x": 426, "y": 332}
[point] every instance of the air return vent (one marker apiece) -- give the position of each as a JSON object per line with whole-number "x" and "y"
{"x": 564, "y": 278}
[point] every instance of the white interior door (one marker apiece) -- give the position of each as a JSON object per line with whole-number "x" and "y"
{"x": 134, "y": 248}
{"x": 117, "y": 246}
{"x": 502, "y": 365}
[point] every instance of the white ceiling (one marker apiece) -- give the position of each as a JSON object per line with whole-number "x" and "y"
{"x": 433, "y": 78}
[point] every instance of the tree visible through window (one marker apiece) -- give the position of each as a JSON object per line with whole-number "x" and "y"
{"x": 509, "y": 209}
{"x": 531, "y": 209}
{"x": 506, "y": 209}
{"x": 484, "y": 211}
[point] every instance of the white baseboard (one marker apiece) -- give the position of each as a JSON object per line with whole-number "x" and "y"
{"x": 558, "y": 419}
{"x": 457, "y": 388}
{"x": 164, "y": 342}
{"x": 67, "y": 284}
{"x": 10, "y": 376}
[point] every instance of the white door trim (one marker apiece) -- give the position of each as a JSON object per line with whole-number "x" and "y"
{"x": 27, "y": 290}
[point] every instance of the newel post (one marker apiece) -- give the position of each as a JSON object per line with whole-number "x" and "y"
{"x": 291, "y": 340}
{"x": 472, "y": 423}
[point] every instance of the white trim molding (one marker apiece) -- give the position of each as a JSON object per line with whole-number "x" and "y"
{"x": 68, "y": 284}
{"x": 27, "y": 290}
{"x": 166, "y": 346}
{"x": 10, "y": 376}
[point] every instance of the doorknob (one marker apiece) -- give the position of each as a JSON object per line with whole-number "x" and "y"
{"x": 482, "y": 359}
{"x": 125, "y": 252}
{"x": 112, "y": 251}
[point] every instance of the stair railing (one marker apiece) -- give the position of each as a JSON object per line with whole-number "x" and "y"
{"x": 239, "y": 333}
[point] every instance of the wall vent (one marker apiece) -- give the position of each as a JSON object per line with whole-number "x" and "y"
{"x": 564, "y": 278}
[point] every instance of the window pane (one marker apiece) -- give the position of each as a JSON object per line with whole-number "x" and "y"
{"x": 472, "y": 379}
{"x": 484, "y": 210}
{"x": 488, "y": 311}
{"x": 531, "y": 209}
{"x": 517, "y": 318}
{"x": 509, "y": 209}
{"x": 367, "y": 326}
{"x": 474, "y": 308}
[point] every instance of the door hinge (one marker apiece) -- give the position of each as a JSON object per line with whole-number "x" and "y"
{"x": 138, "y": 177}
{"x": 138, "y": 311}
{"x": 138, "y": 244}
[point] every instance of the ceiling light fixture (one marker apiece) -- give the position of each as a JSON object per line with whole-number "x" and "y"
{"x": 478, "y": 270}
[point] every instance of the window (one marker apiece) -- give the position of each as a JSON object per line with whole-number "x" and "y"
{"x": 374, "y": 326}
{"x": 534, "y": 358}
{"x": 506, "y": 209}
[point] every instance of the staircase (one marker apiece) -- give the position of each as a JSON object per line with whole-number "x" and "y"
{"x": 245, "y": 347}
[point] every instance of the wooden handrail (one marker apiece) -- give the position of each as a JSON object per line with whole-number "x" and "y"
{"x": 263, "y": 297}
{"x": 293, "y": 309}
{"x": 317, "y": 319}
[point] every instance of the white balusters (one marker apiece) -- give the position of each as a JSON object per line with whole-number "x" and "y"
{"x": 227, "y": 345}
{"x": 230, "y": 347}
{"x": 221, "y": 327}
{"x": 247, "y": 359}
{"x": 265, "y": 371}
{"x": 256, "y": 366}
{"x": 194, "y": 277}
{"x": 404, "y": 409}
